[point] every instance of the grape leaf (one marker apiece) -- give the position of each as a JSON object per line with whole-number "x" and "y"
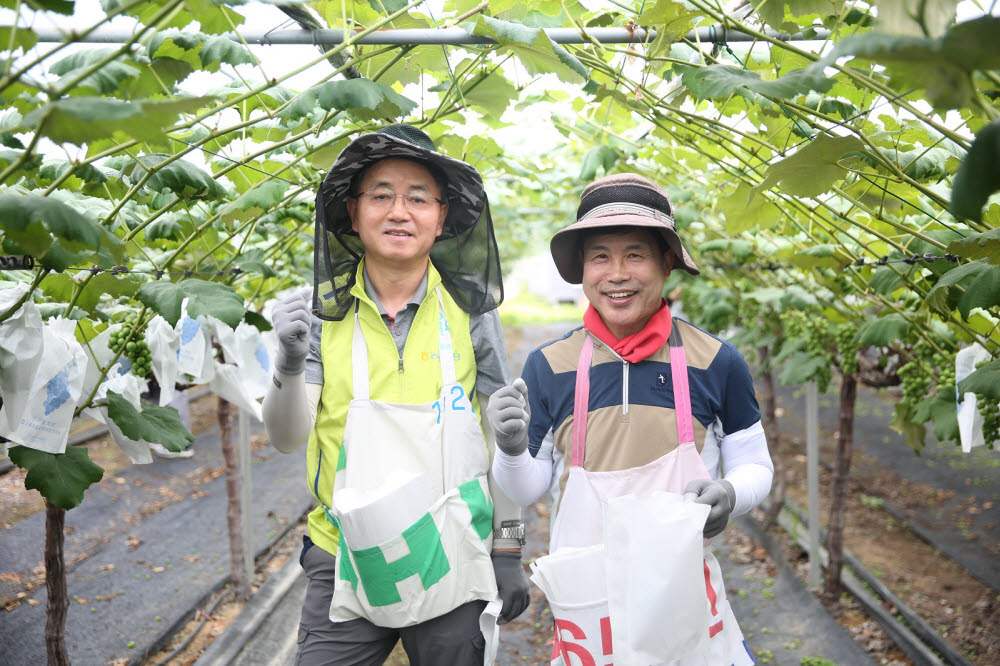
{"x": 915, "y": 17}
{"x": 820, "y": 255}
{"x": 536, "y": 51}
{"x": 153, "y": 424}
{"x": 981, "y": 246}
{"x": 882, "y": 331}
{"x": 980, "y": 280}
{"x": 257, "y": 320}
{"x": 24, "y": 37}
{"x": 30, "y": 221}
{"x": 255, "y": 201}
{"x": 181, "y": 177}
{"x": 800, "y": 368}
{"x": 361, "y": 98}
{"x": 211, "y": 298}
{"x": 941, "y": 411}
{"x": 984, "y": 381}
{"x": 721, "y": 81}
{"x": 979, "y": 175}
{"x": 740, "y": 249}
{"x": 61, "y": 478}
{"x": 85, "y": 119}
{"x": 941, "y": 66}
{"x": 814, "y": 168}
{"x": 105, "y": 80}
{"x": 252, "y": 261}
{"x": 598, "y": 157}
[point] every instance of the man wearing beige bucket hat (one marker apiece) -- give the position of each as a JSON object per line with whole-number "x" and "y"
{"x": 378, "y": 369}
{"x": 634, "y": 401}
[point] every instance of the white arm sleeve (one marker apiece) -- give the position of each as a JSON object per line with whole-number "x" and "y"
{"x": 289, "y": 410}
{"x": 747, "y": 466}
{"x": 523, "y": 478}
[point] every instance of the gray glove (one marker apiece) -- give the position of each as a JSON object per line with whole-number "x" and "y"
{"x": 508, "y": 413}
{"x": 512, "y": 584}
{"x": 720, "y": 495}
{"x": 292, "y": 320}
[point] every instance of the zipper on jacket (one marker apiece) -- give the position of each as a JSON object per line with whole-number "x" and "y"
{"x": 624, "y": 386}
{"x": 625, "y": 365}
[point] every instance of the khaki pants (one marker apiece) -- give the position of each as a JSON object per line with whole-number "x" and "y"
{"x": 453, "y": 638}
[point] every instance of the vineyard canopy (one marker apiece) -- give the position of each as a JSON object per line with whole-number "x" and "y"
{"x": 833, "y": 164}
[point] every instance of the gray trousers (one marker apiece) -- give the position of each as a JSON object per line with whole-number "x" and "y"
{"x": 453, "y": 638}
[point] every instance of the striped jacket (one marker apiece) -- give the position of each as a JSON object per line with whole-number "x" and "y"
{"x": 631, "y": 420}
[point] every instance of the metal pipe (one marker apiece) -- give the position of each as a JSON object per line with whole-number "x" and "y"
{"x": 419, "y": 36}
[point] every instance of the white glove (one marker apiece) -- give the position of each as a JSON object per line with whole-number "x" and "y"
{"x": 508, "y": 413}
{"x": 292, "y": 321}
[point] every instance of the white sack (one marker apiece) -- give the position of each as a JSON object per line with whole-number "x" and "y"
{"x": 227, "y": 383}
{"x": 164, "y": 344}
{"x": 970, "y": 421}
{"x": 195, "y": 356}
{"x": 20, "y": 352}
{"x": 658, "y": 606}
{"x": 52, "y": 396}
{"x": 129, "y": 387}
{"x": 370, "y": 518}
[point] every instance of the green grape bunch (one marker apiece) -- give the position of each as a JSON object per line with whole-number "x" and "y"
{"x": 946, "y": 374}
{"x": 989, "y": 409}
{"x": 848, "y": 349}
{"x": 130, "y": 340}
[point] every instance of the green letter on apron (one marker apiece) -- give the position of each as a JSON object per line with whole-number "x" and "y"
{"x": 426, "y": 558}
{"x": 479, "y": 506}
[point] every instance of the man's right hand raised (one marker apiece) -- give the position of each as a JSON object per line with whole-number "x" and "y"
{"x": 292, "y": 320}
{"x": 509, "y": 413}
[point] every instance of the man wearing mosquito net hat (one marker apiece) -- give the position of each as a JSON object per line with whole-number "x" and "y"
{"x": 379, "y": 370}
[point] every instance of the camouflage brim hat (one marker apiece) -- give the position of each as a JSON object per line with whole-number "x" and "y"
{"x": 620, "y": 200}
{"x": 465, "y": 254}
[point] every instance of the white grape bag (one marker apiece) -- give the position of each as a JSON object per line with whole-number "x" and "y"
{"x": 227, "y": 383}
{"x": 20, "y": 353}
{"x": 164, "y": 345}
{"x": 54, "y": 392}
{"x": 129, "y": 387}
{"x": 970, "y": 421}
{"x": 574, "y": 582}
{"x": 247, "y": 349}
{"x": 655, "y": 576}
{"x": 195, "y": 356}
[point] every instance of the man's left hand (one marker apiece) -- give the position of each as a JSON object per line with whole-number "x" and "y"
{"x": 720, "y": 495}
{"x": 512, "y": 584}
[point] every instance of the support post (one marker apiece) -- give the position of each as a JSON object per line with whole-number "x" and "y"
{"x": 246, "y": 492}
{"x": 812, "y": 481}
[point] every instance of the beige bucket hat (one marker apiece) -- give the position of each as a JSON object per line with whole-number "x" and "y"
{"x": 619, "y": 200}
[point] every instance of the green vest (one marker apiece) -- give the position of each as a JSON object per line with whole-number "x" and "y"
{"x": 415, "y": 379}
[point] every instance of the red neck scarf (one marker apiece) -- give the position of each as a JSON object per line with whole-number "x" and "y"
{"x": 638, "y": 346}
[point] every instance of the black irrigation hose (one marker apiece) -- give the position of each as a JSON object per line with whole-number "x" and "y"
{"x": 270, "y": 550}
{"x": 187, "y": 641}
{"x": 920, "y": 628}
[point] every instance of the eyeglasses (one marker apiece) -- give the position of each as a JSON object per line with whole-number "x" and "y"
{"x": 386, "y": 199}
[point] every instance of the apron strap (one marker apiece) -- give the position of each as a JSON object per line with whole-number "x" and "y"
{"x": 445, "y": 350}
{"x": 359, "y": 359}
{"x": 581, "y": 401}
{"x": 682, "y": 392}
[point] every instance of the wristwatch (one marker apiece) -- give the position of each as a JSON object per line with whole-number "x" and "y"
{"x": 510, "y": 529}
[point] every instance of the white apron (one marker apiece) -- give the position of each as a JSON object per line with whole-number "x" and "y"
{"x": 583, "y": 629}
{"x": 412, "y": 503}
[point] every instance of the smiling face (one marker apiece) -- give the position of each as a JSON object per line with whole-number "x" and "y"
{"x": 623, "y": 275}
{"x": 397, "y": 234}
